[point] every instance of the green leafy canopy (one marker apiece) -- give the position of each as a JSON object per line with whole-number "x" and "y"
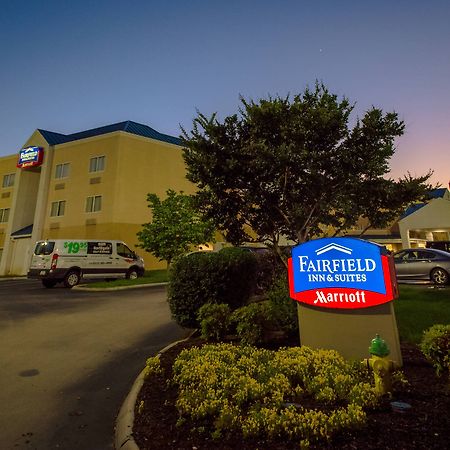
{"x": 175, "y": 228}
{"x": 294, "y": 167}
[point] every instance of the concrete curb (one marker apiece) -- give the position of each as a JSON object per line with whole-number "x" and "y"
{"x": 13, "y": 278}
{"x": 118, "y": 288}
{"x": 123, "y": 437}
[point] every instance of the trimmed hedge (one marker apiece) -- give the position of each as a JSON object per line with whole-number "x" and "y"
{"x": 228, "y": 276}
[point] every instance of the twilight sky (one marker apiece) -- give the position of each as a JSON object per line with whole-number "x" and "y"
{"x": 68, "y": 66}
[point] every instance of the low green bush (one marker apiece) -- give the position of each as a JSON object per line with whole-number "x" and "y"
{"x": 269, "y": 269}
{"x": 152, "y": 367}
{"x": 253, "y": 323}
{"x": 265, "y": 393}
{"x": 224, "y": 277}
{"x": 236, "y": 271}
{"x": 435, "y": 345}
{"x": 214, "y": 321}
{"x": 283, "y": 309}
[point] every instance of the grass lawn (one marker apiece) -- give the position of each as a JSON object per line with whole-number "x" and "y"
{"x": 418, "y": 308}
{"x": 150, "y": 276}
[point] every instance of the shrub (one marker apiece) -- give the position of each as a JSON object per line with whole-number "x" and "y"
{"x": 253, "y": 322}
{"x": 269, "y": 268}
{"x": 214, "y": 321}
{"x": 152, "y": 367}
{"x": 264, "y": 393}
{"x": 236, "y": 276}
{"x": 435, "y": 345}
{"x": 282, "y": 308}
{"x": 224, "y": 277}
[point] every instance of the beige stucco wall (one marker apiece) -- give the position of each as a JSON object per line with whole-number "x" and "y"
{"x": 7, "y": 166}
{"x": 146, "y": 166}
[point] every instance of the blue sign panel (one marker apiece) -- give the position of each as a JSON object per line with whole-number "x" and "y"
{"x": 341, "y": 273}
{"x": 343, "y": 262}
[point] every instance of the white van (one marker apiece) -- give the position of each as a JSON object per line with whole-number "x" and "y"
{"x": 70, "y": 260}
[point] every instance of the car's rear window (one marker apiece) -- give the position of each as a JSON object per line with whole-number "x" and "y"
{"x": 44, "y": 248}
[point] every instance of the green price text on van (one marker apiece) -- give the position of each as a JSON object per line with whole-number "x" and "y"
{"x": 75, "y": 247}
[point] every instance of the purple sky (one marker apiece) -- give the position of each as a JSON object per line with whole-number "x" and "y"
{"x": 68, "y": 66}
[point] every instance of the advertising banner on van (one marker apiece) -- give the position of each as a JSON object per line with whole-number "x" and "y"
{"x": 99, "y": 248}
{"x": 30, "y": 157}
{"x": 343, "y": 272}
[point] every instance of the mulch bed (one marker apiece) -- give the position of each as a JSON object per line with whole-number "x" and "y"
{"x": 425, "y": 426}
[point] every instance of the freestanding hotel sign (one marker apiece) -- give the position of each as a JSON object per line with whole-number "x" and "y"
{"x": 345, "y": 287}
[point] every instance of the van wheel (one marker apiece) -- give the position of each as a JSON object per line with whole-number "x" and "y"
{"x": 49, "y": 283}
{"x": 131, "y": 274}
{"x": 71, "y": 279}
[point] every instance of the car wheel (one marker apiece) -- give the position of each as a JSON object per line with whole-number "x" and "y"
{"x": 439, "y": 276}
{"x": 49, "y": 283}
{"x": 132, "y": 274}
{"x": 71, "y": 279}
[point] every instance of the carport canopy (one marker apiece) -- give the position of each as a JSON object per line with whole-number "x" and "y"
{"x": 431, "y": 218}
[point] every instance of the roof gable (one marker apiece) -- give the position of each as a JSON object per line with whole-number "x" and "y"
{"x": 128, "y": 126}
{"x": 434, "y": 214}
{"x": 438, "y": 193}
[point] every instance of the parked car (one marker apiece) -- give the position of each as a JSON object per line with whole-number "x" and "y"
{"x": 423, "y": 264}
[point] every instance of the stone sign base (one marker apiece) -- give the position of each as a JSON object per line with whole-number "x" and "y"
{"x": 349, "y": 331}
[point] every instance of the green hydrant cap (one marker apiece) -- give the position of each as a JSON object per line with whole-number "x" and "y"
{"x": 378, "y": 347}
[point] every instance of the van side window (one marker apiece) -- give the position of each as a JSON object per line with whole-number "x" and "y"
{"x": 123, "y": 250}
{"x": 44, "y": 248}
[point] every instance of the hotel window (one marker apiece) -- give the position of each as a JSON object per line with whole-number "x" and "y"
{"x": 4, "y": 215}
{"x": 97, "y": 164}
{"x": 58, "y": 208}
{"x": 8, "y": 180}
{"x": 94, "y": 204}
{"x": 62, "y": 170}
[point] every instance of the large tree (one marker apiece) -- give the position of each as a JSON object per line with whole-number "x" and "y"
{"x": 175, "y": 228}
{"x": 296, "y": 167}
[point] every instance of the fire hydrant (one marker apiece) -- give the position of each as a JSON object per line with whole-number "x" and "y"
{"x": 381, "y": 365}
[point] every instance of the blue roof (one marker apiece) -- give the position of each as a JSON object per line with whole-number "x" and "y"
{"x": 128, "y": 126}
{"x": 412, "y": 209}
{"x": 437, "y": 193}
{"x": 23, "y": 231}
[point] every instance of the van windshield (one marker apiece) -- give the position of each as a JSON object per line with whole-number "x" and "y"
{"x": 44, "y": 248}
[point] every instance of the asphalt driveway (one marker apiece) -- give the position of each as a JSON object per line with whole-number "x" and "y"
{"x": 68, "y": 359}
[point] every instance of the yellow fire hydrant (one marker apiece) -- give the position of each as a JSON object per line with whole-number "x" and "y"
{"x": 381, "y": 365}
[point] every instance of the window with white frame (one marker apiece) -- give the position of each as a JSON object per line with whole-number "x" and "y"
{"x": 97, "y": 164}
{"x": 58, "y": 208}
{"x": 94, "y": 203}
{"x": 4, "y": 215}
{"x": 62, "y": 170}
{"x": 8, "y": 180}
